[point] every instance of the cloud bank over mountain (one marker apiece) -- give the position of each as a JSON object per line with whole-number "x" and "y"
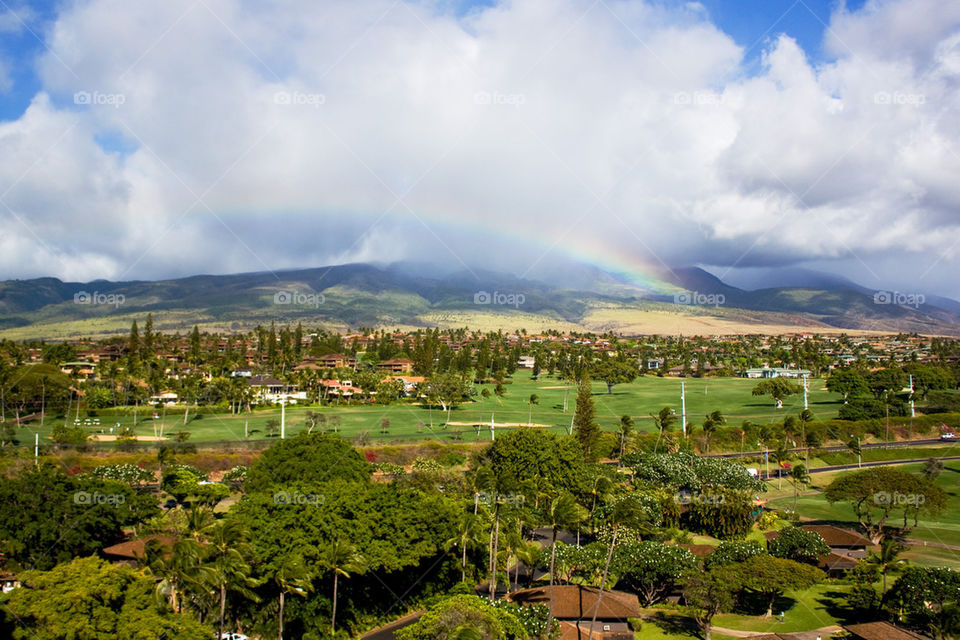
{"x": 224, "y": 136}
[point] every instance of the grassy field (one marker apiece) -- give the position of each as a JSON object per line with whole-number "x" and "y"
{"x": 942, "y": 529}
{"x": 410, "y": 421}
{"x": 819, "y": 606}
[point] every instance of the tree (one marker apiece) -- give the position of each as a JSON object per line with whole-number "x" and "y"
{"x": 708, "y": 594}
{"x": 47, "y": 517}
{"x": 293, "y": 577}
{"x": 468, "y": 535}
{"x": 888, "y": 558}
{"x": 926, "y": 596}
{"x": 613, "y": 372}
{"x": 710, "y": 425}
{"x": 848, "y": 383}
{"x": 626, "y": 430}
{"x": 464, "y": 617}
{"x": 535, "y": 457}
{"x": 771, "y": 577}
{"x": 226, "y": 557}
{"x": 563, "y": 511}
{"x": 534, "y": 399}
{"x": 664, "y": 421}
{"x": 799, "y": 476}
{"x": 585, "y": 426}
{"x": 653, "y": 568}
{"x": 627, "y": 512}
{"x": 733, "y": 551}
{"x": 776, "y": 388}
{"x": 308, "y": 457}
{"x": 341, "y": 559}
{"x": 879, "y": 493}
{"x": 798, "y": 544}
{"x": 91, "y": 599}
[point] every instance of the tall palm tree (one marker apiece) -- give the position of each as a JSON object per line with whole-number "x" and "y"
{"x": 469, "y": 530}
{"x": 340, "y": 558}
{"x": 627, "y": 512}
{"x": 534, "y": 399}
{"x": 227, "y": 550}
{"x": 780, "y": 455}
{"x": 664, "y": 420}
{"x": 529, "y": 554}
{"x": 178, "y": 566}
{"x": 563, "y": 511}
{"x": 626, "y": 429}
{"x": 293, "y": 577}
{"x": 888, "y": 558}
{"x": 800, "y": 476}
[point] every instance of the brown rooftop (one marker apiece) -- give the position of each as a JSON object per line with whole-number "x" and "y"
{"x": 576, "y": 602}
{"x": 838, "y": 536}
{"x": 882, "y": 631}
{"x": 134, "y": 549}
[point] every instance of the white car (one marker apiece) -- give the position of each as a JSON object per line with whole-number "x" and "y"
{"x": 233, "y": 636}
{"x": 948, "y": 436}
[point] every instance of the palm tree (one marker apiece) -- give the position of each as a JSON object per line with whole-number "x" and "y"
{"x": 469, "y": 530}
{"x": 626, "y": 428}
{"x": 627, "y": 512}
{"x": 341, "y": 558}
{"x": 227, "y": 550}
{"x": 664, "y": 420}
{"x": 563, "y": 511}
{"x": 292, "y": 577}
{"x": 780, "y": 455}
{"x": 178, "y": 568}
{"x": 888, "y": 558}
{"x": 534, "y": 399}
{"x": 529, "y": 554}
{"x": 800, "y": 476}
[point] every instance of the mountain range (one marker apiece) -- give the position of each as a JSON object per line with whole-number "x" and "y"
{"x": 408, "y": 295}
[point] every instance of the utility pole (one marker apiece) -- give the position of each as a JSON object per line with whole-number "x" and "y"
{"x": 913, "y": 413}
{"x": 283, "y": 417}
{"x": 683, "y": 408}
{"x": 805, "y": 393}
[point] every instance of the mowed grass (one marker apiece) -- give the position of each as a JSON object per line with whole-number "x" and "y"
{"x": 822, "y": 605}
{"x": 408, "y": 422}
{"x": 942, "y": 528}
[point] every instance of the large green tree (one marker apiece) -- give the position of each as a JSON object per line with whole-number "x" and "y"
{"x": 881, "y": 493}
{"x": 771, "y": 577}
{"x": 89, "y": 599}
{"x": 307, "y": 458}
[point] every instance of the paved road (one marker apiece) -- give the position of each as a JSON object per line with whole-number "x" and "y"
{"x": 872, "y": 445}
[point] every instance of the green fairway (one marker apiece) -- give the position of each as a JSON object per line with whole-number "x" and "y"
{"x": 804, "y": 610}
{"x": 408, "y": 421}
{"x": 943, "y": 528}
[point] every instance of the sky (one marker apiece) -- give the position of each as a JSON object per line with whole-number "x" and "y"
{"x": 153, "y": 140}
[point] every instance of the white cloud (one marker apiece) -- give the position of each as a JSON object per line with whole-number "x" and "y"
{"x": 517, "y": 118}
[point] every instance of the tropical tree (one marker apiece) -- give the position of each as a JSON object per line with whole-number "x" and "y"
{"x": 562, "y": 511}
{"x": 292, "y": 577}
{"x": 227, "y": 551}
{"x": 776, "y": 388}
{"x": 708, "y": 594}
{"x": 770, "y": 577}
{"x": 534, "y": 399}
{"x": 800, "y": 477}
{"x": 627, "y": 512}
{"x": 625, "y": 431}
{"x": 664, "y": 420}
{"x": 888, "y": 558}
{"x": 341, "y": 559}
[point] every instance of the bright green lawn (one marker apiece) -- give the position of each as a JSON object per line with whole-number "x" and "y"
{"x": 639, "y": 399}
{"x": 813, "y": 608}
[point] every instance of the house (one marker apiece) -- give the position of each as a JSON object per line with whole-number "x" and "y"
{"x": 337, "y": 361}
{"x": 166, "y": 397}
{"x": 881, "y": 631}
{"x": 777, "y": 372}
{"x": 654, "y": 364}
{"x": 847, "y": 547}
{"x": 526, "y": 362}
{"x": 409, "y": 383}
{"x": 81, "y": 370}
{"x": 8, "y": 581}
{"x": 271, "y": 390}
{"x": 340, "y": 388}
{"x": 396, "y": 365}
{"x": 131, "y": 552}
{"x": 574, "y": 607}
{"x": 387, "y": 631}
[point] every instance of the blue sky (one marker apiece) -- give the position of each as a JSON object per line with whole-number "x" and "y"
{"x": 751, "y": 23}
